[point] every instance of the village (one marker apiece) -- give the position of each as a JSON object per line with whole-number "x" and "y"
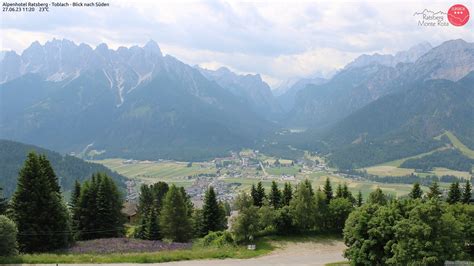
{"x": 229, "y": 175}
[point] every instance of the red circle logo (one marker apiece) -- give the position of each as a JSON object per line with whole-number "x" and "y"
{"x": 458, "y": 15}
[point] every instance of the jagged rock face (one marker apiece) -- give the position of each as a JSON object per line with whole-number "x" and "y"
{"x": 131, "y": 102}
{"x": 408, "y": 56}
{"x": 64, "y": 61}
{"x": 370, "y": 77}
{"x": 249, "y": 87}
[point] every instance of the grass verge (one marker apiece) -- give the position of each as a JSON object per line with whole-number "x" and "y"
{"x": 195, "y": 253}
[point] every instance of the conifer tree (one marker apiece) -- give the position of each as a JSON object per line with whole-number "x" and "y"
{"x": 258, "y": 194}
{"x": 327, "y": 189}
{"x": 152, "y": 226}
{"x": 253, "y": 193}
{"x": 466, "y": 195}
{"x": 187, "y": 201}
{"x": 359, "y": 199}
{"x": 434, "y": 192}
{"x": 287, "y": 194}
{"x": 159, "y": 191}
{"x": 100, "y": 209}
{"x": 307, "y": 183}
{"x": 416, "y": 191}
{"x": 140, "y": 232}
{"x": 339, "y": 191}
{"x": 145, "y": 200}
{"x": 73, "y": 205}
{"x": 275, "y": 196}
{"x": 454, "y": 194}
{"x": 212, "y": 215}
{"x": 38, "y": 208}
{"x": 76, "y": 193}
{"x": 174, "y": 221}
{"x": 3, "y": 203}
{"x": 49, "y": 173}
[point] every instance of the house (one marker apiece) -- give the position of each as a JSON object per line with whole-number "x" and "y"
{"x": 130, "y": 209}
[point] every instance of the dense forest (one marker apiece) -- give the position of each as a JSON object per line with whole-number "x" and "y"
{"x": 67, "y": 168}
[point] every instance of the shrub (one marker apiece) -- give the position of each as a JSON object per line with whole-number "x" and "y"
{"x": 218, "y": 239}
{"x": 8, "y": 232}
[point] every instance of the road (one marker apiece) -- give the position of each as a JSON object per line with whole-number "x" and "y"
{"x": 289, "y": 253}
{"x": 306, "y": 253}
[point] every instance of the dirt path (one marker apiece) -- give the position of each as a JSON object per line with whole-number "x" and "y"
{"x": 306, "y": 253}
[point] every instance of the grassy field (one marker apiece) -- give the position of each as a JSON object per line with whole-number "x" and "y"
{"x": 318, "y": 180}
{"x": 171, "y": 172}
{"x": 392, "y": 168}
{"x": 278, "y": 171}
{"x": 459, "y": 145}
{"x": 196, "y": 253}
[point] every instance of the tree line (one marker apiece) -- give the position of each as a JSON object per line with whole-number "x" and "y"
{"x": 424, "y": 228}
{"x": 167, "y": 213}
{"x": 38, "y": 219}
{"x": 418, "y": 230}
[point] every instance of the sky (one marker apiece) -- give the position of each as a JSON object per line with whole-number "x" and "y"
{"x": 281, "y": 40}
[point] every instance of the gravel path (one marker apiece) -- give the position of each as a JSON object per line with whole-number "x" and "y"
{"x": 306, "y": 253}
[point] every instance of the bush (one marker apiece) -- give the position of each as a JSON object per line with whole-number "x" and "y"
{"x": 218, "y": 239}
{"x": 8, "y": 232}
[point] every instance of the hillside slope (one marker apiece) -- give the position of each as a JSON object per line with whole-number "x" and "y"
{"x": 67, "y": 168}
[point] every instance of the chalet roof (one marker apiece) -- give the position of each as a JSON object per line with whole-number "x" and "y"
{"x": 130, "y": 208}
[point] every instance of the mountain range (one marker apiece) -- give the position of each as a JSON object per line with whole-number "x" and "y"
{"x": 129, "y": 102}
{"x": 137, "y": 103}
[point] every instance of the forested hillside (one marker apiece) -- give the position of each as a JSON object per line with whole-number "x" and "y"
{"x": 67, "y": 168}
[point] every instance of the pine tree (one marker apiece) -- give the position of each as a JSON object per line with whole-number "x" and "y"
{"x": 38, "y": 209}
{"x": 258, "y": 194}
{"x": 212, "y": 220}
{"x": 307, "y": 183}
{"x": 466, "y": 196}
{"x": 76, "y": 193}
{"x": 454, "y": 194}
{"x": 152, "y": 226}
{"x": 287, "y": 194}
{"x": 359, "y": 199}
{"x": 49, "y": 173}
{"x": 174, "y": 221}
{"x": 347, "y": 194}
{"x": 275, "y": 196}
{"x": 3, "y": 203}
{"x": 434, "y": 192}
{"x": 253, "y": 193}
{"x": 100, "y": 209}
{"x": 140, "y": 231}
{"x": 328, "y": 190}
{"x": 159, "y": 191}
{"x": 187, "y": 201}
{"x": 145, "y": 200}
{"x": 416, "y": 192}
{"x": 339, "y": 191}
{"x": 73, "y": 205}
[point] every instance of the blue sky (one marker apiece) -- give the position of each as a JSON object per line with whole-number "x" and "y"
{"x": 278, "y": 39}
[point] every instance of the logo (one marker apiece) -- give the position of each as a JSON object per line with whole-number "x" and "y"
{"x": 458, "y": 15}
{"x": 429, "y": 18}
